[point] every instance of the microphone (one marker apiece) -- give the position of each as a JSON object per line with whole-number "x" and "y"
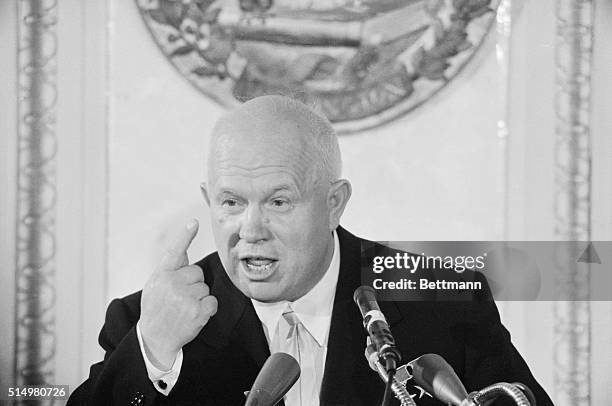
{"x": 277, "y": 376}
{"x": 436, "y": 376}
{"x": 377, "y": 327}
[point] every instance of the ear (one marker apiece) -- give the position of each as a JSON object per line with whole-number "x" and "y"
{"x": 337, "y": 198}
{"x": 204, "y": 190}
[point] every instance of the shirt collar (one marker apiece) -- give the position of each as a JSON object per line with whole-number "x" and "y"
{"x": 314, "y": 309}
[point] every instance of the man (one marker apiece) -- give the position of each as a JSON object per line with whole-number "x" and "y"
{"x": 282, "y": 280}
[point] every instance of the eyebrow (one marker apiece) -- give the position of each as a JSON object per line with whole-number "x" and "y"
{"x": 279, "y": 188}
{"x": 227, "y": 191}
{"x": 284, "y": 187}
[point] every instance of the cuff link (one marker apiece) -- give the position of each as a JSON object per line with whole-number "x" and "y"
{"x": 138, "y": 399}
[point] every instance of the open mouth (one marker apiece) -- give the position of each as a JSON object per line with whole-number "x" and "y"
{"x": 258, "y": 267}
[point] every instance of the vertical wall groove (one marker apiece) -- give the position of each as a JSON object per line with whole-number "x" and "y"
{"x": 36, "y": 193}
{"x": 502, "y": 54}
{"x": 574, "y": 48}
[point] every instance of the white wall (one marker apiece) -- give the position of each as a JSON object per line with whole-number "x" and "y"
{"x": 134, "y": 136}
{"x": 421, "y": 181}
{"x": 158, "y": 132}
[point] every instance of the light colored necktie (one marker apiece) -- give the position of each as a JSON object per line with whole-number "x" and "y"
{"x": 295, "y": 339}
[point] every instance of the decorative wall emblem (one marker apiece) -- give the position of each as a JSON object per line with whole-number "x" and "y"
{"x": 363, "y": 62}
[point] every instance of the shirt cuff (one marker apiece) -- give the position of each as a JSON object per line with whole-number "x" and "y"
{"x": 163, "y": 381}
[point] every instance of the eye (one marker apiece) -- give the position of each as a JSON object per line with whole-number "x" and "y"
{"x": 279, "y": 202}
{"x": 229, "y": 202}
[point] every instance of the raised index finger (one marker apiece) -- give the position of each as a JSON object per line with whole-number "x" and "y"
{"x": 176, "y": 253}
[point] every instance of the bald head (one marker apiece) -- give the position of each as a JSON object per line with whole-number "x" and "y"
{"x": 278, "y": 126}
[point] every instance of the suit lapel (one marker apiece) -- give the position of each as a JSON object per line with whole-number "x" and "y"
{"x": 249, "y": 335}
{"x": 347, "y": 337}
{"x": 236, "y": 321}
{"x": 345, "y": 330}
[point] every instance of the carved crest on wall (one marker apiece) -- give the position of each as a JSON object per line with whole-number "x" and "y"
{"x": 363, "y": 62}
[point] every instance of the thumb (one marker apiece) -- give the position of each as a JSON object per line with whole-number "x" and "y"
{"x": 176, "y": 253}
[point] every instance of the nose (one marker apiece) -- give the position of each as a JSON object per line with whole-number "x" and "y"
{"x": 253, "y": 227}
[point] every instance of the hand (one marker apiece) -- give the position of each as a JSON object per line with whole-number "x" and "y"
{"x": 176, "y": 302}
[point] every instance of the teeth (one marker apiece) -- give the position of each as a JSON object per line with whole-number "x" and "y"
{"x": 259, "y": 265}
{"x": 259, "y": 268}
{"x": 259, "y": 261}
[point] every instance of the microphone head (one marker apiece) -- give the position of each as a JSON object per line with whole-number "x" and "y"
{"x": 278, "y": 374}
{"x": 436, "y": 376}
{"x": 365, "y": 298}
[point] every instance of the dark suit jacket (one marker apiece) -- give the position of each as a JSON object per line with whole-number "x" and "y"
{"x": 221, "y": 363}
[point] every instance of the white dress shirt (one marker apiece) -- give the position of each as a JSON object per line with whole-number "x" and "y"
{"x": 163, "y": 381}
{"x": 314, "y": 310}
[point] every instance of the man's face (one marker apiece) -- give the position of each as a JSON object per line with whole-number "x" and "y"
{"x": 270, "y": 215}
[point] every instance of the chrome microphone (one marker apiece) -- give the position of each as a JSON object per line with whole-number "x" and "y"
{"x": 436, "y": 376}
{"x": 377, "y": 327}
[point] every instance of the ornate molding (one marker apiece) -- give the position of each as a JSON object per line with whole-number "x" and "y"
{"x": 363, "y": 63}
{"x": 36, "y": 193}
{"x": 574, "y": 47}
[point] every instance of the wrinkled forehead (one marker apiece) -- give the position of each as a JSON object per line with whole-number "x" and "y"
{"x": 261, "y": 183}
{"x": 255, "y": 145}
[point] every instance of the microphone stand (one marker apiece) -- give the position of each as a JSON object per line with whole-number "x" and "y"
{"x": 491, "y": 392}
{"x": 436, "y": 376}
{"x": 526, "y": 391}
{"x": 398, "y": 389}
